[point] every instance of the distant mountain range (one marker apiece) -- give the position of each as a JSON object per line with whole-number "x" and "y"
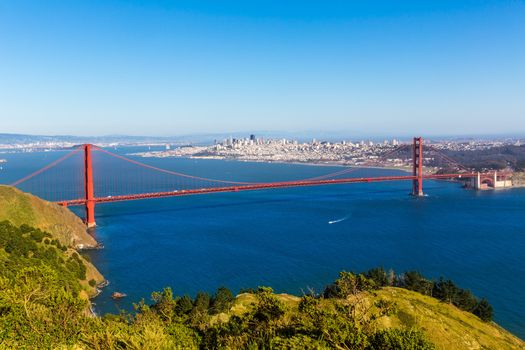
{"x": 25, "y": 139}
{"x": 198, "y": 138}
{"x": 208, "y": 138}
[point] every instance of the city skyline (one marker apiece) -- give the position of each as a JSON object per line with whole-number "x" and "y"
{"x": 176, "y": 68}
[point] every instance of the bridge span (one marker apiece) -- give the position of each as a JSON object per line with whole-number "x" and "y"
{"x": 180, "y": 184}
{"x": 263, "y": 186}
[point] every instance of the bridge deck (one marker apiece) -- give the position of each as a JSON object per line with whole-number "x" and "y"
{"x": 262, "y": 186}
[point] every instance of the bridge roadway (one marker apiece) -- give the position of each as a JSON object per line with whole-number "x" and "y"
{"x": 262, "y": 186}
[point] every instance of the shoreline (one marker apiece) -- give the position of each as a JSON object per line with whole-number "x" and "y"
{"x": 327, "y": 164}
{"x": 292, "y": 162}
{"x": 405, "y": 169}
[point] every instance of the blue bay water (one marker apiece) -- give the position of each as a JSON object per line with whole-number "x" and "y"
{"x": 300, "y": 238}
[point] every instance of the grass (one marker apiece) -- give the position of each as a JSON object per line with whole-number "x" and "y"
{"x": 22, "y": 208}
{"x": 448, "y": 327}
{"x": 445, "y": 325}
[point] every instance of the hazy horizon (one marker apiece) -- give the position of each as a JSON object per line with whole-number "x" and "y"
{"x": 306, "y": 135}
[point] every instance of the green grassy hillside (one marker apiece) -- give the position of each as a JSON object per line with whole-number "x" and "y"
{"x": 44, "y": 285}
{"x": 444, "y": 325}
{"x": 23, "y": 208}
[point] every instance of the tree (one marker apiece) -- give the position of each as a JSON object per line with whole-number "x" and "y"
{"x": 445, "y": 290}
{"x": 483, "y": 310}
{"x": 184, "y": 305}
{"x": 349, "y": 283}
{"x": 331, "y": 291}
{"x": 465, "y": 300}
{"x": 202, "y": 302}
{"x": 199, "y": 315}
{"x": 392, "y": 279}
{"x": 379, "y": 276}
{"x": 222, "y": 300}
{"x": 413, "y": 280}
{"x": 164, "y": 304}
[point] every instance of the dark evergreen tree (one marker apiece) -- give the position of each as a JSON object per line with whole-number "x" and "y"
{"x": 378, "y": 275}
{"x": 222, "y": 300}
{"x": 331, "y": 291}
{"x": 413, "y": 280}
{"x": 484, "y": 310}
{"x": 445, "y": 290}
{"x": 202, "y": 302}
{"x": 184, "y": 305}
{"x": 465, "y": 300}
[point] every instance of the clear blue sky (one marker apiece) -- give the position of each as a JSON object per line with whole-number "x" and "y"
{"x": 174, "y": 67}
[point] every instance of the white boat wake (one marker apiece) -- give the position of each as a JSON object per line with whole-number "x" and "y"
{"x": 338, "y": 220}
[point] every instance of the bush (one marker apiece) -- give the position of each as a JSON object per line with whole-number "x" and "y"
{"x": 348, "y": 284}
{"x": 248, "y": 290}
{"x": 331, "y": 291}
{"x": 86, "y": 257}
{"x": 398, "y": 339}
{"x": 268, "y": 307}
{"x": 38, "y": 236}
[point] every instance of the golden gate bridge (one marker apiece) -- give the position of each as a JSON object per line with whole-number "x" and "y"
{"x": 142, "y": 181}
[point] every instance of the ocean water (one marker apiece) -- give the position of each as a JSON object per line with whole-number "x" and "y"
{"x": 300, "y": 238}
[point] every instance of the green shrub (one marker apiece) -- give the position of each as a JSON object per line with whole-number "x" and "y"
{"x": 400, "y": 339}
{"x": 38, "y": 236}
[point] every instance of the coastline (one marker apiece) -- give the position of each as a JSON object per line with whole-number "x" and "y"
{"x": 520, "y": 183}
{"x": 324, "y": 164}
{"x": 292, "y": 162}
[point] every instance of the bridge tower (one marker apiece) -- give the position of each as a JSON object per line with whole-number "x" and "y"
{"x": 88, "y": 187}
{"x": 417, "y": 167}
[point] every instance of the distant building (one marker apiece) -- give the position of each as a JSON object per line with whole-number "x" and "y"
{"x": 252, "y": 137}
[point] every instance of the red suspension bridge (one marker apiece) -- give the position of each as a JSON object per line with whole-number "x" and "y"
{"x": 138, "y": 180}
